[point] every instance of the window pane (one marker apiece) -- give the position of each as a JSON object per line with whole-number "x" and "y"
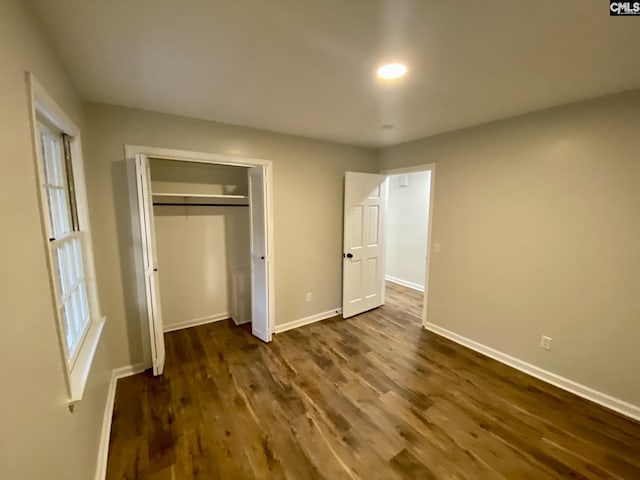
{"x": 58, "y": 211}
{"x": 69, "y": 335}
{"x": 73, "y": 292}
{"x": 52, "y": 214}
{"x": 71, "y": 264}
{"x": 76, "y": 317}
{"x": 61, "y": 260}
{"x": 84, "y": 303}
{"x": 56, "y": 183}
{"x": 65, "y": 215}
{"x": 51, "y": 167}
{"x": 58, "y": 271}
{"x": 77, "y": 256}
{"x": 72, "y": 324}
{"x": 65, "y": 268}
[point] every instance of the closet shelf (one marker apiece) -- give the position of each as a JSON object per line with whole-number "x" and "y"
{"x": 199, "y": 199}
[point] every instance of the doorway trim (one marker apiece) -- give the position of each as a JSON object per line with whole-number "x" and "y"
{"x": 211, "y": 158}
{"x": 429, "y": 167}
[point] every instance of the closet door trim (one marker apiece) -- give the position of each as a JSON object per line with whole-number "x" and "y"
{"x": 230, "y": 160}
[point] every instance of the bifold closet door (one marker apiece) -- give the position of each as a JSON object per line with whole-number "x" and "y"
{"x": 259, "y": 255}
{"x": 150, "y": 262}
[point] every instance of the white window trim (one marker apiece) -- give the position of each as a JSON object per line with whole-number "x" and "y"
{"x": 43, "y": 105}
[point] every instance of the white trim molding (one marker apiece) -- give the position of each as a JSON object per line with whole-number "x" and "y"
{"x": 196, "y": 321}
{"x": 404, "y": 283}
{"x": 237, "y": 324}
{"x": 612, "y": 403}
{"x": 307, "y": 320}
{"x": 129, "y": 370}
{"x": 131, "y": 151}
{"x": 77, "y": 365}
{"x": 103, "y": 449}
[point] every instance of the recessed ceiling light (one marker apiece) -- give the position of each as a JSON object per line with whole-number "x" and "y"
{"x": 388, "y": 126}
{"x": 392, "y": 70}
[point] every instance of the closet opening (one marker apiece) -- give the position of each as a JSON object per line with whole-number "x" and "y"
{"x": 203, "y": 224}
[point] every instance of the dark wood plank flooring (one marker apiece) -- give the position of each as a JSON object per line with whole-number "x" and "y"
{"x": 371, "y": 397}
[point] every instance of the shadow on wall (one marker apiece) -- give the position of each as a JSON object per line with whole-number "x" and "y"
{"x": 238, "y": 240}
{"x": 126, "y": 247}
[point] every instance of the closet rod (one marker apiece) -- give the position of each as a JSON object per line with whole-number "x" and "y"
{"x": 202, "y": 204}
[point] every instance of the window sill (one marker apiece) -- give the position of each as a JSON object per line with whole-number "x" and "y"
{"x": 80, "y": 372}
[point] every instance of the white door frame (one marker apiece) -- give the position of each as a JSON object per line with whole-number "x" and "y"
{"x": 213, "y": 158}
{"x": 430, "y": 167}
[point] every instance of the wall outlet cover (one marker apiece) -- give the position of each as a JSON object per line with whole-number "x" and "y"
{"x": 545, "y": 342}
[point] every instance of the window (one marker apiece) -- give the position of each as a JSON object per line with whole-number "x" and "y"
{"x": 65, "y": 239}
{"x": 67, "y": 235}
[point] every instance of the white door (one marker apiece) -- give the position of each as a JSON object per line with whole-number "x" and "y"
{"x": 152, "y": 287}
{"x": 260, "y": 249}
{"x": 363, "y": 257}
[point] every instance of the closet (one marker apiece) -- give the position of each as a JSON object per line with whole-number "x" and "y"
{"x": 201, "y": 243}
{"x": 202, "y": 228}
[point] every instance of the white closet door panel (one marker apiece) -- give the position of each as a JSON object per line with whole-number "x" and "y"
{"x": 259, "y": 255}
{"x": 152, "y": 290}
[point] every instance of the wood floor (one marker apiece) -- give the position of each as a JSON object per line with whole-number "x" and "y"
{"x": 372, "y": 397}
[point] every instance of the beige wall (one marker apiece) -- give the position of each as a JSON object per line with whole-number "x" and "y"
{"x": 39, "y": 437}
{"x": 199, "y": 248}
{"x": 407, "y": 225}
{"x": 537, "y": 218}
{"x": 170, "y": 176}
{"x": 308, "y": 186}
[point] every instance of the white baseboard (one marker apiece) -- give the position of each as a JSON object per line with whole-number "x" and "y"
{"x": 612, "y": 403}
{"x": 196, "y": 321}
{"x": 103, "y": 449}
{"x": 129, "y": 370}
{"x": 307, "y": 320}
{"x": 404, "y": 283}
{"x": 237, "y": 323}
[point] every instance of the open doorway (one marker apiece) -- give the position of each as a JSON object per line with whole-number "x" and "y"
{"x": 407, "y": 237}
{"x": 193, "y": 201}
{"x": 367, "y": 229}
{"x": 407, "y": 228}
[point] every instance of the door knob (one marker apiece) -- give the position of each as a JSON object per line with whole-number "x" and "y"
{"x": 349, "y": 255}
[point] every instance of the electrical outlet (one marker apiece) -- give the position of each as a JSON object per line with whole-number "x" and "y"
{"x": 309, "y": 296}
{"x": 545, "y": 342}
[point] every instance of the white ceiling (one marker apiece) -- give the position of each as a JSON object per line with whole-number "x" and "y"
{"x": 307, "y": 67}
